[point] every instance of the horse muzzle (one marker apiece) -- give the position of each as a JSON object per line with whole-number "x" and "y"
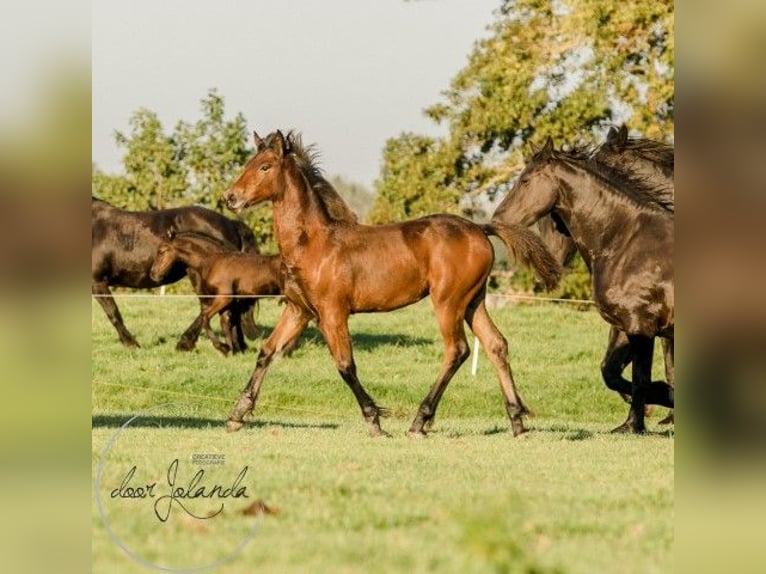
{"x": 233, "y": 201}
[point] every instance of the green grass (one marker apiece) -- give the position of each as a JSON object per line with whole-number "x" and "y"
{"x": 570, "y": 497}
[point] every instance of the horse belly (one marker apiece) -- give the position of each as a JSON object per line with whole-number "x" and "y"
{"x": 387, "y": 287}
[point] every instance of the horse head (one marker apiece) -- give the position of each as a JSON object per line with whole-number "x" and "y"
{"x": 165, "y": 256}
{"x": 262, "y": 177}
{"x": 535, "y": 193}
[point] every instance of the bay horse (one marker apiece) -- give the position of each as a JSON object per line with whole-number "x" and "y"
{"x": 334, "y": 267}
{"x": 224, "y": 277}
{"x": 652, "y": 162}
{"x": 623, "y": 227}
{"x": 124, "y": 246}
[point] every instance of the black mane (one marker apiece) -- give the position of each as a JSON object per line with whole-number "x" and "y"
{"x": 638, "y": 190}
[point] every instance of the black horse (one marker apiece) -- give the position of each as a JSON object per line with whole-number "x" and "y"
{"x": 624, "y": 229}
{"x": 124, "y": 246}
{"x": 652, "y": 162}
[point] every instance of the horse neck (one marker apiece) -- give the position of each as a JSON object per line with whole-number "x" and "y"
{"x": 190, "y": 254}
{"x": 593, "y": 214}
{"x": 298, "y": 212}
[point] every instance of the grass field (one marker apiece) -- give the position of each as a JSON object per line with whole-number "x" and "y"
{"x": 570, "y": 497}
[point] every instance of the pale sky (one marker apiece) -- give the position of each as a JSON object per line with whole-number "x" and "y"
{"x": 348, "y": 74}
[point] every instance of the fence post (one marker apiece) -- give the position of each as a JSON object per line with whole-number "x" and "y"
{"x": 475, "y": 358}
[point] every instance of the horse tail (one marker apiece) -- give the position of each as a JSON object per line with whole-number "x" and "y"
{"x": 529, "y": 250}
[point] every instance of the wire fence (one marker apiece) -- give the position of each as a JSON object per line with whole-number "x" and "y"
{"x": 511, "y": 296}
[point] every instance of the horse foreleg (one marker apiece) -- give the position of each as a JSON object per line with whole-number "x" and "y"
{"x": 642, "y": 349}
{"x": 216, "y": 305}
{"x": 618, "y": 356}
{"x": 225, "y": 317}
{"x": 668, "y": 351}
{"x": 190, "y": 336}
{"x": 104, "y": 297}
{"x": 496, "y": 347}
{"x": 335, "y": 332}
{"x": 289, "y": 327}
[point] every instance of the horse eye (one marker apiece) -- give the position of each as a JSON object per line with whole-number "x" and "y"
{"x": 265, "y": 167}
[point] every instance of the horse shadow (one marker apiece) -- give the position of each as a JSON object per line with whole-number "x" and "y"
{"x": 569, "y": 433}
{"x": 159, "y": 421}
{"x": 361, "y": 341}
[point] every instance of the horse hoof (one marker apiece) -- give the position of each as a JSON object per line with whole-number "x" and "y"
{"x": 626, "y": 428}
{"x": 184, "y": 346}
{"x": 378, "y": 432}
{"x": 419, "y": 435}
{"x": 131, "y": 344}
{"x": 233, "y": 426}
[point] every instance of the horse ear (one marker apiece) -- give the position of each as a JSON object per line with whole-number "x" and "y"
{"x": 547, "y": 150}
{"x": 623, "y": 135}
{"x": 278, "y": 144}
{"x": 258, "y": 140}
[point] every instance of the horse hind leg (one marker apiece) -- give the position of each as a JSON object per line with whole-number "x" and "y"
{"x": 334, "y": 329}
{"x": 496, "y": 347}
{"x": 105, "y": 299}
{"x": 291, "y": 324}
{"x": 456, "y": 351}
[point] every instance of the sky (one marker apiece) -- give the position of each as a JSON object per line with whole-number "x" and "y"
{"x": 348, "y": 74}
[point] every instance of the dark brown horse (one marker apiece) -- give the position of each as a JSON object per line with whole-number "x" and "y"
{"x": 124, "y": 246}
{"x": 652, "y": 162}
{"x": 335, "y": 266}
{"x": 623, "y": 229}
{"x": 227, "y": 281}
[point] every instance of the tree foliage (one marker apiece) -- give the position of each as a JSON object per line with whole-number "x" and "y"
{"x": 561, "y": 68}
{"x": 192, "y": 165}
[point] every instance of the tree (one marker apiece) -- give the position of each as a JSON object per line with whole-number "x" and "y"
{"x": 153, "y": 176}
{"x": 560, "y": 68}
{"x": 193, "y": 165}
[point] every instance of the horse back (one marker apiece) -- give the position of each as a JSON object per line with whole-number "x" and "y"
{"x": 384, "y": 267}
